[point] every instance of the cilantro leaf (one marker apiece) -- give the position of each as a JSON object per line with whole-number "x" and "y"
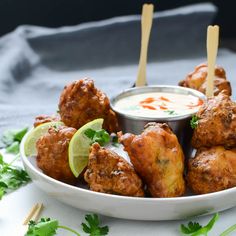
{"x": 11, "y": 177}
{"x": 45, "y": 227}
{"x": 191, "y": 228}
{"x": 100, "y": 136}
{"x": 195, "y": 229}
{"x": 92, "y": 226}
{"x": 14, "y": 148}
{"x": 12, "y": 138}
{"x": 194, "y": 122}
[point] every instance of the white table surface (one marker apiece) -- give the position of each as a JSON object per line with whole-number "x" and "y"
{"x": 15, "y": 206}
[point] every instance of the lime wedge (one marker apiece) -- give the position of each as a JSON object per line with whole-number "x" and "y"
{"x": 79, "y": 147}
{"x": 35, "y": 134}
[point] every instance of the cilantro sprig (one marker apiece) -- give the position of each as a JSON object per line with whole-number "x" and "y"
{"x": 92, "y": 226}
{"x": 195, "y": 229}
{"x": 194, "y": 122}
{"x": 49, "y": 227}
{"x": 100, "y": 136}
{"x": 11, "y": 177}
{"x": 11, "y": 140}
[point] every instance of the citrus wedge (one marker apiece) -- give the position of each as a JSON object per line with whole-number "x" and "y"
{"x": 79, "y": 147}
{"x": 35, "y": 134}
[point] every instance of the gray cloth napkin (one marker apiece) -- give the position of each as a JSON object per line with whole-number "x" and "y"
{"x": 36, "y": 62}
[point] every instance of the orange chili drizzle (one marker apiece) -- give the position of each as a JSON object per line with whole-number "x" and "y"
{"x": 146, "y": 103}
{"x": 200, "y": 102}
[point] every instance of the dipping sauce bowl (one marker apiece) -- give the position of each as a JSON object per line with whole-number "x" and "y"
{"x": 174, "y": 105}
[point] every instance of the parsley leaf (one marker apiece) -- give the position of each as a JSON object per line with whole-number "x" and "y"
{"x": 194, "y": 122}
{"x": 100, "y": 136}
{"x": 12, "y": 138}
{"x": 11, "y": 177}
{"x": 195, "y": 229}
{"x": 92, "y": 226}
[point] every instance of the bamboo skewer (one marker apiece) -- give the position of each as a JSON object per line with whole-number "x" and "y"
{"x": 146, "y": 25}
{"x": 32, "y": 215}
{"x": 212, "y": 48}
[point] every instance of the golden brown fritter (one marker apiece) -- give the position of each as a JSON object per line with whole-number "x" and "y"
{"x": 216, "y": 123}
{"x": 52, "y": 156}
{"x": 41, "y": 119}
{"x": 107, "y": 172}
{"x": 212, "y": 170}
{"x": 158, "y": 159}
{"x": 197, "y": 80}
{"x": 81, "y": 102}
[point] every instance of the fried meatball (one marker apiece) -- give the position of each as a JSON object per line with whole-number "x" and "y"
{"x": 216, "y": 123}
{"x": 158, "y": 159}
{"x": 197, "y": 80}
{"x": 81, "y": 102}
{"x": 52, "y": 157}
{"x": 41, "y": 119}
{"x": 212, "y": 169}
{"x": 107, "y": 172}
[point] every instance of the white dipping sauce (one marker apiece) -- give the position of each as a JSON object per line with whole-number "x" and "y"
{"x": 158, "y": 104}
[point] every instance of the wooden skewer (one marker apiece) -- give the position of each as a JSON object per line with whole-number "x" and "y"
{"x": 212, "y": 48}
{"x": 32, "y": 215}
{"x": 146, "y": 23}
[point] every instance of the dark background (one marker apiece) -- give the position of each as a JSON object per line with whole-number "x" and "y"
{"x": 55, "y": 13}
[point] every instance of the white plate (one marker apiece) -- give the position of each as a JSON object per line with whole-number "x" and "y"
{"x": 129, "y": 207}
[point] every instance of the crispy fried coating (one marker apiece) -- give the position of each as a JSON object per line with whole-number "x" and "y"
{"x": 197, "y": 80}
{"x": 52, "y": 156}
{"x": 81, "y": 102}
{"x": 212, "y": 169}
{"x": 216, "y": 123}
{"x": 108, "y": 172}
{"x": 41, "y": 119}
{"x": 158, "y": 159}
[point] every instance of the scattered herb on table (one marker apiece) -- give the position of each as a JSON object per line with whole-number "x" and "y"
{"x": 11, "y": 177}
{"x": 194, "y": 122}
{"x": 48, "y": 227}
{"x": 12, "y": 139}
{"x": 100, "y": 136}
{"x": 195, "y": 229}
{"x": 92, "y": 227}
{"x": 229, "y": 230}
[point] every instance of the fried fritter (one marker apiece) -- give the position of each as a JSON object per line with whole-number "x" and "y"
{"x": 41, "y": 119}
{"x": 158, "y": 158}
{"x": 216, "y": 123}
{"x": 81, "y": 102}
{"x": 197, "y": 80}
{"x": 212, "y": 170}
{"x": 52, "y": 156}
{"x": 108, "y": 172}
